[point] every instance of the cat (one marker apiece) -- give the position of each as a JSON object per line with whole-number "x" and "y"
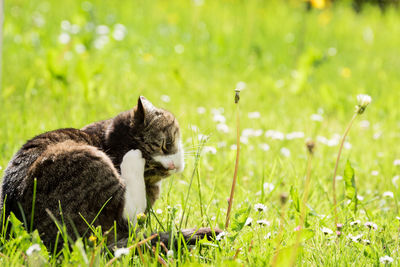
{"x": 114, "y": 166}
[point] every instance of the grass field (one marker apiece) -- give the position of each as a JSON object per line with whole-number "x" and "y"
{"x": 70, "y": 63}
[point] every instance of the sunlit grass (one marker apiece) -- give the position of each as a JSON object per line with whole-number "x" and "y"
{"x": 303, "y": 71}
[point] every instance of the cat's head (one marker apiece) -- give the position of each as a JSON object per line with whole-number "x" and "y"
{"x": 157, "y": 135}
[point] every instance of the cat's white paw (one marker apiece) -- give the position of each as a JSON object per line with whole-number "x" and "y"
{"x": 132, "y": 162}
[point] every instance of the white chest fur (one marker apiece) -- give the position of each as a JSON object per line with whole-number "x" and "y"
{"x": 132, "y": 173}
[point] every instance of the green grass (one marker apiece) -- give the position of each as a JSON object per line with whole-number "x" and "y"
{"x": 295, "y": 64}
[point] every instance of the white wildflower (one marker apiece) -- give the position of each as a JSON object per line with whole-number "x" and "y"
{"x": 339, "y": 177}
{"x": 201, "y": 110}
{"x": 388, "y": 194}
{"x": 64, "y": 38}
{"x": 65, "y": 25}
{"x": 375, "y": 173}
{"x": 332, "y": 51}
{"x": 396, "y": 162}
{"x": 394, "y": 180}
{"x": 371, "y": 225}
{"x": 170, "y": 254}
{"x": 264, "y": 146}
{"x": 233, "y": 147}
{"x": 248, "y": 221}
{"x": 249, "y": 132}
{"x": 254, "y": 115}
{"x": 244, "y": 140}
{"x": 210, "y": 149}
{"x": 269, "y": 187}
{"x": 366, "y": 241}
{"x": 179, "y": 49}
{"x": 386, "y": 259}
{"x": 326, "y": 231}
{"x": 347, "y": 145}
{"x": 285, "y": 152}
{"x": 263, "y": 222}
{"x": 364, "y": 124}
{"x": 101, "y": 42}
{"x": 363, "y": 101}
{"x": 359, "y": 197}
{"x": 274, "y": 135}
{"x": 119, "y": 32}
{"x": 159, "y": 211}
{"x": 219, "y": 118}
{"x": 317, "y": 117}
{"x": 32, "y": 249}
{"x": 165, "y": 98}
{"x": 356, "y": 238}
{"x": 222, "y": 127}
{"x": 102, "y": 29}
{"x": 121, "y": 251}
{"x": 356, "y": 222}
{"x": 221, "y": 144}
{"x": 80, "y": 48}
{"x": 260, "y": 207}
{"x": 294, "y": 135}
{"x": 268, "y": 236}
{"x": 221, "y": 235}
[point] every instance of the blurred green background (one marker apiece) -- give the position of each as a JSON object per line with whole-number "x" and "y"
{"x": 70, "y": 63}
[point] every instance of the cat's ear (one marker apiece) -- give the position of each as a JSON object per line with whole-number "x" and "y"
{"x": 144, "y": 110}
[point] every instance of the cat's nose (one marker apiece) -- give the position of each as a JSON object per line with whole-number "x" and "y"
{"x": 171, "y": 166}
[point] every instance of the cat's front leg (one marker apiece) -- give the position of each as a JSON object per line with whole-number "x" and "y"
{"x": 132, "y": 173}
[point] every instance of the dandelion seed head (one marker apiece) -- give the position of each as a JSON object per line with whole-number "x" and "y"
{"x": 363, "y": 101}
{"x": 121, "y": 251}
{"x": 240, "y": 86}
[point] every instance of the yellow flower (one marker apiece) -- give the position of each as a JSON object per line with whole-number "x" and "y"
{"x": 141, "y": 218}
{"x": 92, "y": 240}
{"x": 319, "y": 4}
{"x": 345, "y": 72}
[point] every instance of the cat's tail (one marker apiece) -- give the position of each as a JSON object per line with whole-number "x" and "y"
{"x": 190, "y": 236}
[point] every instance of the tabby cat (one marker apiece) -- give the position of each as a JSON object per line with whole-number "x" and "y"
{"x": 114, "y": 167}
